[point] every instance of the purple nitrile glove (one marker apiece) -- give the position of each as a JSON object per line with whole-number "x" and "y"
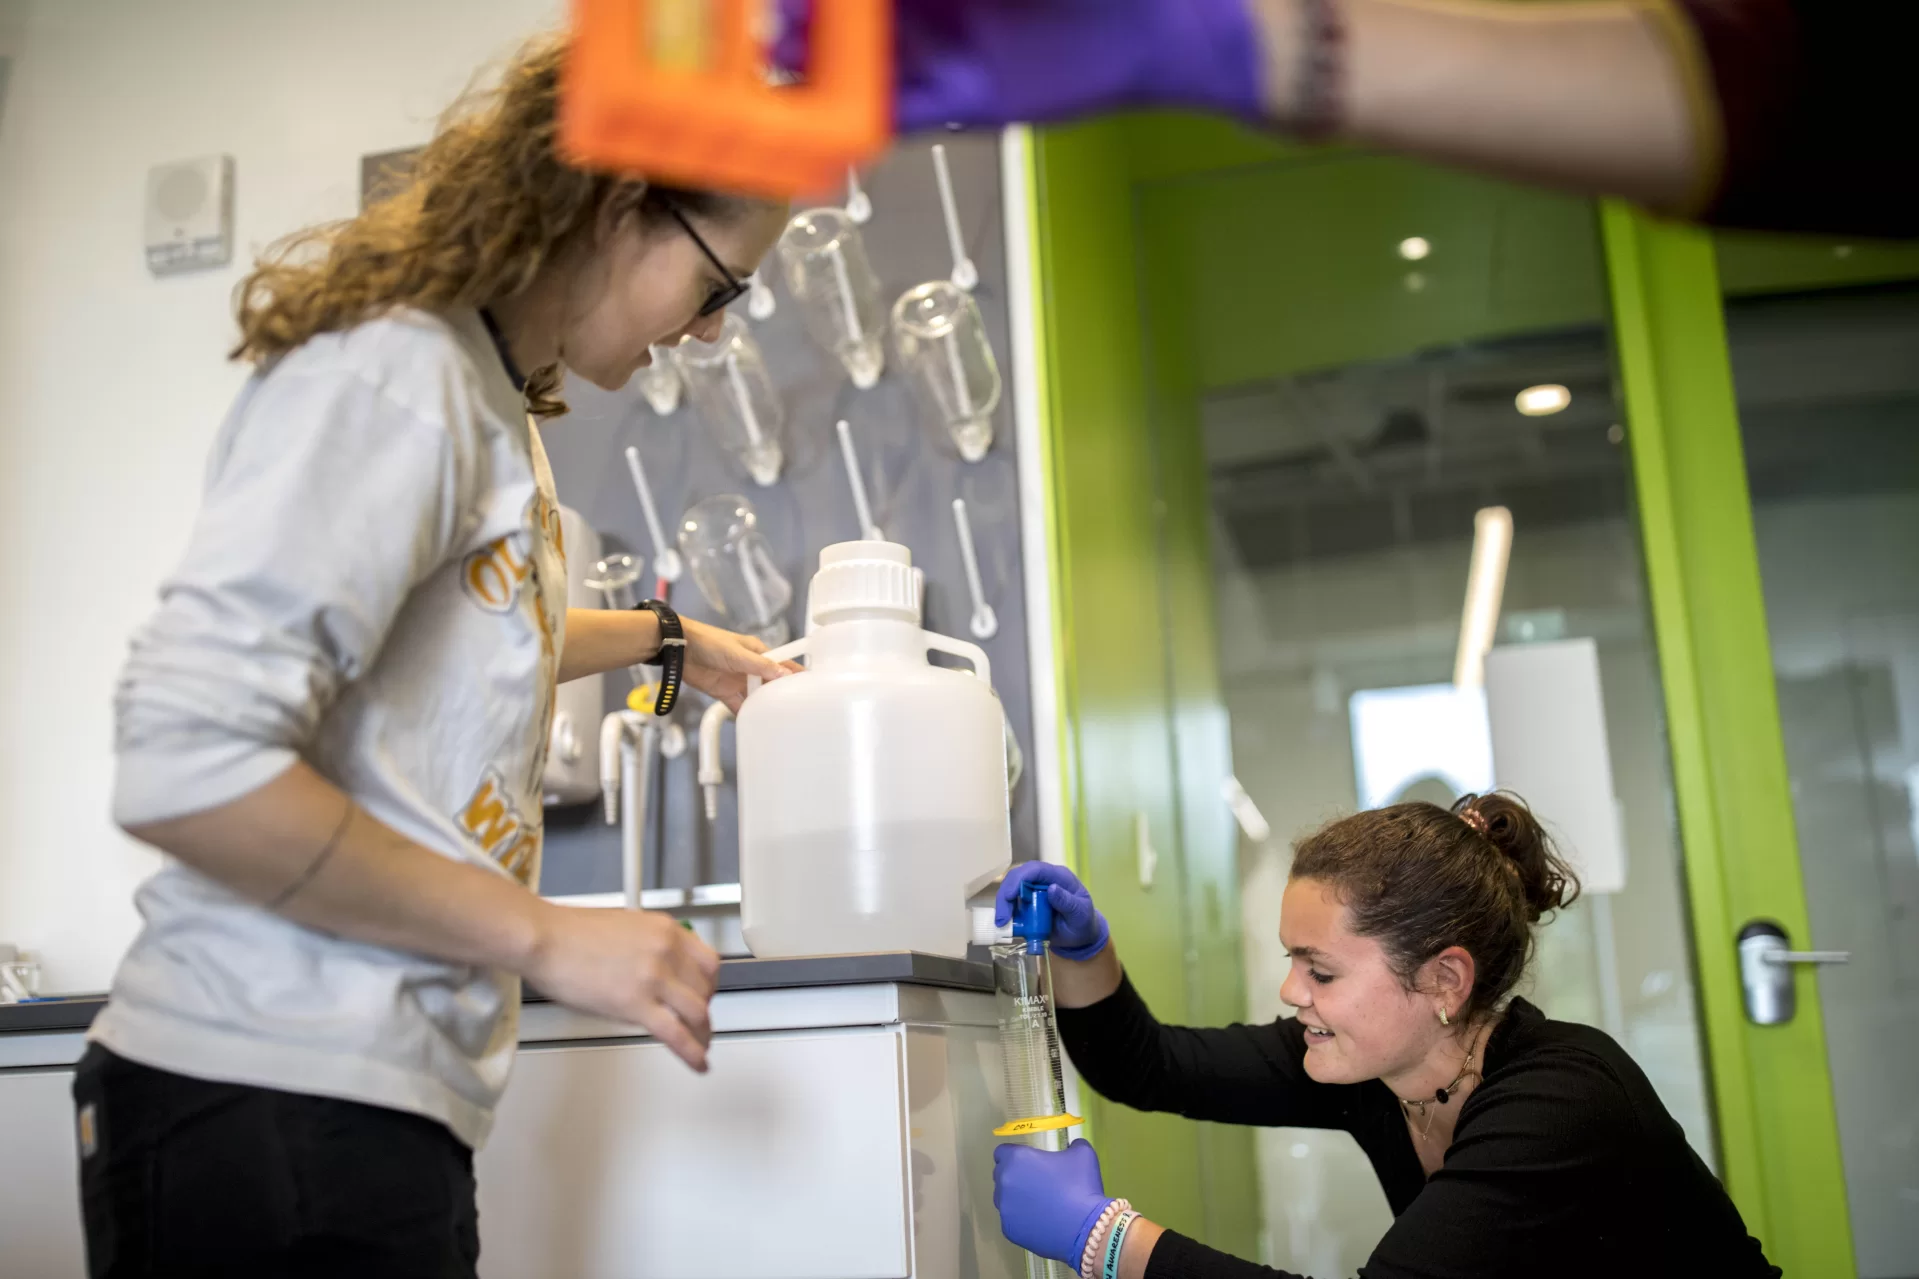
{"x": 987, "y": 63}
{"x": 1079, "y": 931}
{"x": 1049, "y": 1200}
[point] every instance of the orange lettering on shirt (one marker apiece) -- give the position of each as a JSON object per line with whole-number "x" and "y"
{"x": 522, "y": 858}
{"x": 492, "y": 574}
{"x": 490, "y": 816}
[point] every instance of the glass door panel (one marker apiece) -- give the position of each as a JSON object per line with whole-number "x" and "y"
{"x": 1456, "y": 360}
{"x": 1828, "y": 386}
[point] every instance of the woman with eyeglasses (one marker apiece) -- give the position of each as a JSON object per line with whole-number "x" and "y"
{"x": 336, "y": 722}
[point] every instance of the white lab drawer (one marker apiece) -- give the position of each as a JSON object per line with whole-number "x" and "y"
{"x": 787, "y": 1161}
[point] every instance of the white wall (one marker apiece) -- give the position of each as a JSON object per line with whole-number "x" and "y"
{"x": 115, "y": 381}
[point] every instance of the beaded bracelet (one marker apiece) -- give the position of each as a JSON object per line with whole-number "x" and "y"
{"x": 1116, "y": 1244}
{"x": 1318, "y": 105}
{"x": 1089, "y": 1260}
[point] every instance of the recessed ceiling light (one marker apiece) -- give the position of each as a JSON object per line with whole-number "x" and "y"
{"x": 1542, "y": 400}
{"x": 1414, "y": 247}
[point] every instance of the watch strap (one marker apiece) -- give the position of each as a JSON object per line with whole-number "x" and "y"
{"x": 671, "y": 659}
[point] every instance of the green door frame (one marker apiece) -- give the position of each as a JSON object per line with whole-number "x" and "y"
{"x": 1778, "y": 1129}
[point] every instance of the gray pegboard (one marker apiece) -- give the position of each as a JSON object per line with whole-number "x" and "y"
{"x": 912, "y": 476}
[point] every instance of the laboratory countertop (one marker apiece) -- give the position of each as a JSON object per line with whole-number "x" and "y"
{"x": 906, "y": 968}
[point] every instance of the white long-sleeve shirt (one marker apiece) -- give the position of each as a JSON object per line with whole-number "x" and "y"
{"x": 375, "y": 584}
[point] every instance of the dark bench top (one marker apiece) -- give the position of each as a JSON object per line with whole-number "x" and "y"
{"x": 909, "y": 968}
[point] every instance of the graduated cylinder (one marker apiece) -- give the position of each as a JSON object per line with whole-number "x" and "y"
{"x": 1036, "y": 1113}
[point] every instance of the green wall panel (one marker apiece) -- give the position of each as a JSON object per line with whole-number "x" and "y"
{"x": 1207, "y": 832}
{"x": 1114, "y": 658}
{"x": 1750, "y": 262}
{"x": 1294, "y": 265}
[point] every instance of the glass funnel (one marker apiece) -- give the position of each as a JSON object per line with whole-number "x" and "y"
{"x": 942, "y": 346}
{"x": 617, "y": 579}
{"x": 838, "y": 295}
{"x": 720, "y": 540}
{"x": 736, "y": 398}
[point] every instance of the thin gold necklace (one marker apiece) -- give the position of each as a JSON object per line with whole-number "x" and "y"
{"x": 1440, "y": 1095}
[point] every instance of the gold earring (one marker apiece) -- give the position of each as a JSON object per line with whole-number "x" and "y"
{"x": 1444, "y": 1020}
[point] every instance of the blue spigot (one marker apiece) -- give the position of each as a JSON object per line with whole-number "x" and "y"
{"x": 1033, "y": 920}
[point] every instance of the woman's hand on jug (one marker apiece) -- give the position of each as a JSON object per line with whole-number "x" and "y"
{"x": 1079, "y": 931}
{"x": 638, "y": 967}
{"x": 719, "y": 662}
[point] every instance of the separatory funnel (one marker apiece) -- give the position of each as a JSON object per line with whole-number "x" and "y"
{"x": 837, "y": 292}
{"x": 941, "y": 342}
{"x": 736, "y": 398}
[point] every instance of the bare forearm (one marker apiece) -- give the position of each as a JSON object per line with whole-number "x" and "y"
{"x": 300, "y": 844}
{"x": 1080, "y": 984}
{"x": 1141, "y": 1237}
{"x": 599, "y": 639}
{"x": 1587, "y": 96}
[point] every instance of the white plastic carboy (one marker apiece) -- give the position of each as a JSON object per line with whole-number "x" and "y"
{"x": 872, "y": 785}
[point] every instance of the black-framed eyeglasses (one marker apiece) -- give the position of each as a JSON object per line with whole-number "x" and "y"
{"x": 732, "y": 291}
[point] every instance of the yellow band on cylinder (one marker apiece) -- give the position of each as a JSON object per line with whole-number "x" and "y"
{"x": 1045, "y": 1123}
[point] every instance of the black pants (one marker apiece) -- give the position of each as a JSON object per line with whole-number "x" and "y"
{"x": 184, "y": 1177}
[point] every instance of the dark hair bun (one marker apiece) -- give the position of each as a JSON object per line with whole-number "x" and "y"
{"x": 1546, "y": 881}
{"x": 1421, "y": 878}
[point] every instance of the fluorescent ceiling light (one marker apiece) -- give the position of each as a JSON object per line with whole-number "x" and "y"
{"x": 1485, "y": 584}
{"x": 1414, "y": 247}
{"x": 1541, "y": 400}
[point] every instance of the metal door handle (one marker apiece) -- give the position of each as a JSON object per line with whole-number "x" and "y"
{"x": 1807, "y": 957}
{"x": 1765, "y": 971}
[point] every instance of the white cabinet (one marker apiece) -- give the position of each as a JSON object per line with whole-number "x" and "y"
{"x": 40, "y": 1205}
{"x": 787, "y": 1159}
{"x": 819, "y": 1152}
{"x": 844, "y": 1132}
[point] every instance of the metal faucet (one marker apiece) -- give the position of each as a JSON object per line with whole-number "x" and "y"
{"x": 712, "y": 772}
{"x": 629, "y": 745}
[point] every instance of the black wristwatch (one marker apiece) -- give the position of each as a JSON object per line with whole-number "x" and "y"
{"x": 671, "y": 659}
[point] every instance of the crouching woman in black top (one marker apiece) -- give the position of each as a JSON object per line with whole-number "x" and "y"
{"x": 1507, "y": 1144}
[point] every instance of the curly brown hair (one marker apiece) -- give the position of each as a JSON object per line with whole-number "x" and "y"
{"x": 1421, "y": 878}
{"x": 487, "y": 203}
